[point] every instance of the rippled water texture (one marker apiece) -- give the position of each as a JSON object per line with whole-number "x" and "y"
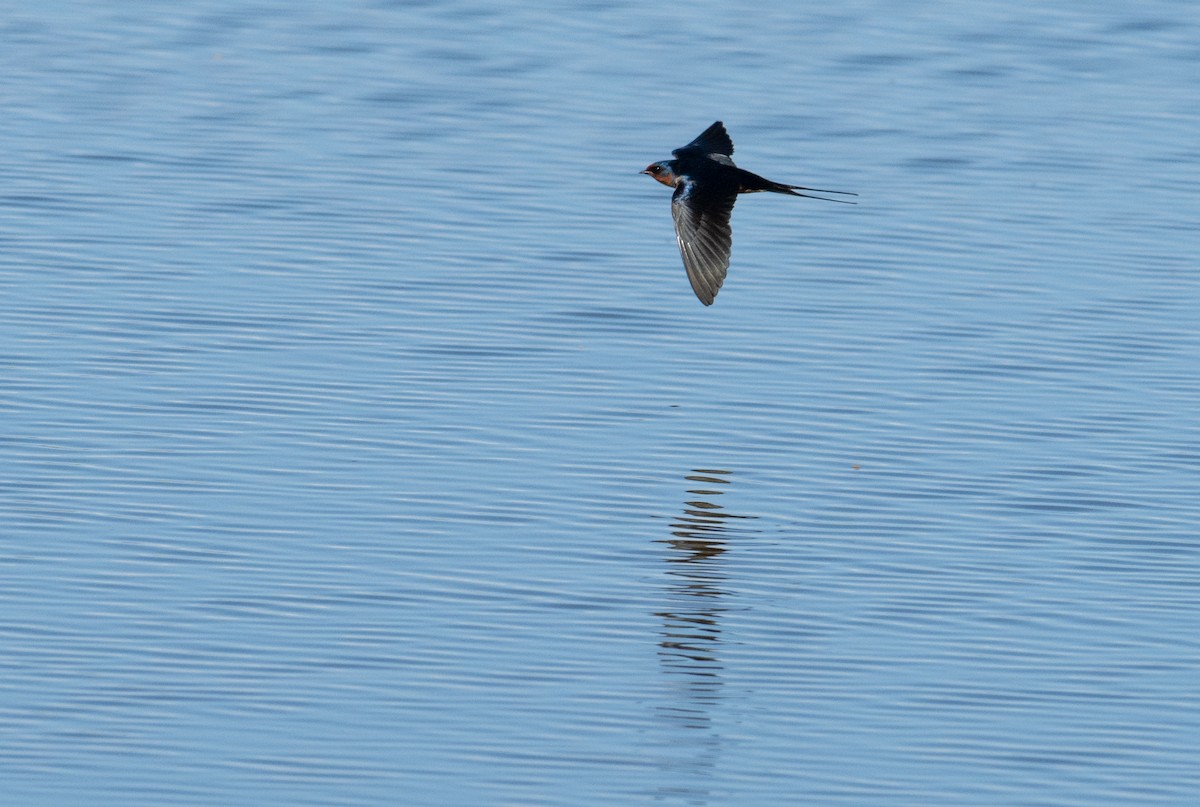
{"x": 363, "y": 442}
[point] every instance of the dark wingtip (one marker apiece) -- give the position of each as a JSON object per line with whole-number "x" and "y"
{"x": 713, "y": 140}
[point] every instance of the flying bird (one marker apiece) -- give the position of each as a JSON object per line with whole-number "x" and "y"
{"x": 707, "y": 183}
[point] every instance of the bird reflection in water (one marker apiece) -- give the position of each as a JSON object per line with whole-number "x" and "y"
{"x": 689, "y": 645}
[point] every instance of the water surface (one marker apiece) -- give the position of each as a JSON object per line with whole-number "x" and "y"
{"x": 364, "y": 444}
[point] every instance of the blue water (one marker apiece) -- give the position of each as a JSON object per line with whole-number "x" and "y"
{"x": 363, "y": 442}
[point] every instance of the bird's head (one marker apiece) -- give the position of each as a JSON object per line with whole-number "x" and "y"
{"x": 662, "y": 172}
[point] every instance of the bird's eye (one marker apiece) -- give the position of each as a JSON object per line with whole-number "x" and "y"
{"x": 654, "y": 169}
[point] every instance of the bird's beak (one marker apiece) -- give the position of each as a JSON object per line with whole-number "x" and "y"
{"x": 644, "y": 171}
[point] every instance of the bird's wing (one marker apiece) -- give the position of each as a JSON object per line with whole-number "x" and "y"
{"x": 704, "y": 236}
{"x": 713, "y": 140}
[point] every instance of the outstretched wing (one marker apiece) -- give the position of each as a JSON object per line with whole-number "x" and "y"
{"x": 713, "y": 140}
{"x": 704, "y": 236}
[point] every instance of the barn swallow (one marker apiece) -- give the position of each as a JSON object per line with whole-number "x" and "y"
{"x": 707, "y": 184}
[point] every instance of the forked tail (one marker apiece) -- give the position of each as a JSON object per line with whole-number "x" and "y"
{"x": 752, "y": 183}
